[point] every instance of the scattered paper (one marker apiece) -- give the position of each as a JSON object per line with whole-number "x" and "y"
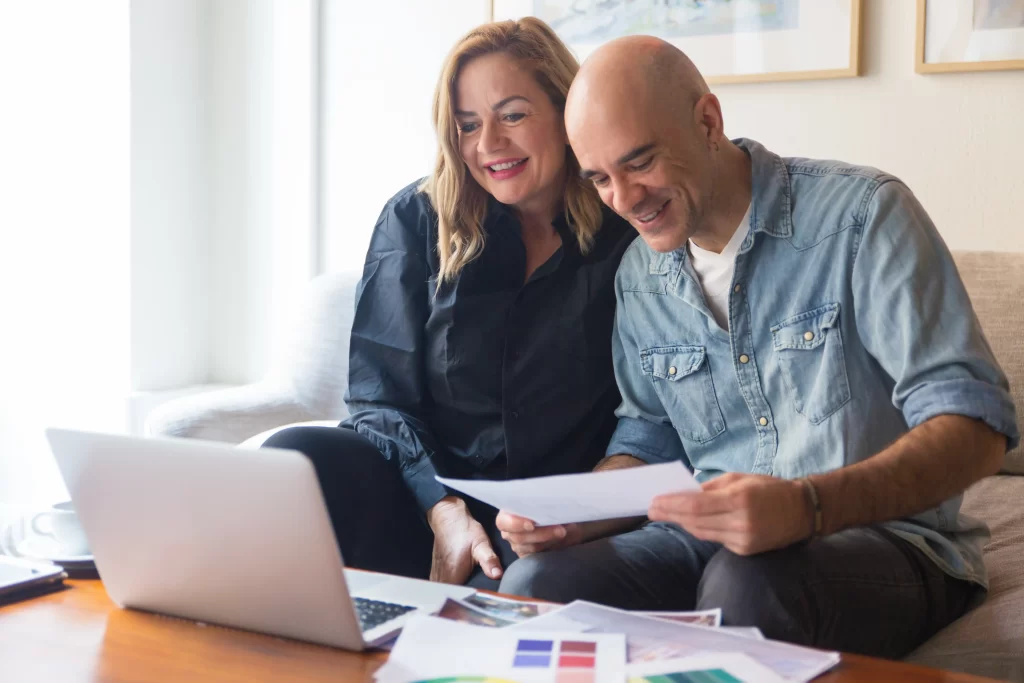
{"x": 717, "y": 667}
{"x": 709, "y": 617}
{"x": 649, "y": 639}
{"x": 430, "y": 648}
{"x": 567, "y": 498}
{"x": 745, "y": 631}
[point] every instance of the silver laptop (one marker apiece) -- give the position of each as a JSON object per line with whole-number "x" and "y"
{"x": 219, "y": 534}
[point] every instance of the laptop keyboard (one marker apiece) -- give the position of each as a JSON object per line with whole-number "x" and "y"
{"x": 375, "y": 612}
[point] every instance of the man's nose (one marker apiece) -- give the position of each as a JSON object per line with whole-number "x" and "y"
{"x": 627, "y": 197}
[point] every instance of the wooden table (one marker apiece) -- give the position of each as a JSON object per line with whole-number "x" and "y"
{"x": 79, "y": 635}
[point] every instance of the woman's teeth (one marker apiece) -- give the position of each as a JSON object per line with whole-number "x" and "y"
{"x": 506, "y": 165}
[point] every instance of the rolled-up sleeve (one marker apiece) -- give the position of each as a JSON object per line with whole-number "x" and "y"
{"x": 916, "y": 319}
{"x": 386, "y": 394}
{"x": 644, "y": 429}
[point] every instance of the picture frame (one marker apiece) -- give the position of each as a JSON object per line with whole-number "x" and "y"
{"x": 730, "y": 41}
{"x": 969, "y": 35}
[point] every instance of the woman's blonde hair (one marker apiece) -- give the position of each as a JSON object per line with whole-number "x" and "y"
{"x": 460, "y": 202}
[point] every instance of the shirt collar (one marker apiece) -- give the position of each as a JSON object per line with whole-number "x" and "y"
{"x": 771, "y": 209}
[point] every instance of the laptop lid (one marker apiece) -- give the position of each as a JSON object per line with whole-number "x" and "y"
{"x": 210, "y": 532}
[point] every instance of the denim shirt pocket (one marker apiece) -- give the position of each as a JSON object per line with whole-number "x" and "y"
{"x": 810, "y": 352}
{"x": 682, "y": 378}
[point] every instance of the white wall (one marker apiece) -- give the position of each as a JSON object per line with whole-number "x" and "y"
{"x": 221, "y": 187}
{"x": 380, "y": 69}
{"x": 64, "y": 230}
{"x": 261, "y": 146}
{"x": 955, "y": 139}
{"x": 170, "y": 207}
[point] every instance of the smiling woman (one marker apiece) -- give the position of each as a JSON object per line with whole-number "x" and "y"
{"x": 481, "y": 344}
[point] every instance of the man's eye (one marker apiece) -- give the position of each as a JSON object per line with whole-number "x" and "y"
{"x": 644, "y": 166}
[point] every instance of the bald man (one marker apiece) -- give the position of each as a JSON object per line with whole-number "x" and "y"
{"x": 794, "y": 331}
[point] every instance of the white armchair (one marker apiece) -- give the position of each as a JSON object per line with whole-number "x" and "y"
{"x": 307, "y": 384}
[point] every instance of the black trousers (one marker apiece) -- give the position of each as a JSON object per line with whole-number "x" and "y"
{"x": 377, "y": 521}
{"x": 863, "y": 590}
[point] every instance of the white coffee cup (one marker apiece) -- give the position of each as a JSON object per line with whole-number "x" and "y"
{"x": 61, "y": 524}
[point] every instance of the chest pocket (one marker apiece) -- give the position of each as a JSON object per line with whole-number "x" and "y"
{"x": 682, "y": 378}
{"x": 810, "y": 352}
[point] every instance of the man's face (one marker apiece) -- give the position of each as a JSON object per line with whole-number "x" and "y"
{"x": 655, "y": 174}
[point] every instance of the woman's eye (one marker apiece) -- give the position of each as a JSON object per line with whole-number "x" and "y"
{"x": 468, "y": 127}
{"x": 512, "y": 118}
{"x": 600, "y": 182}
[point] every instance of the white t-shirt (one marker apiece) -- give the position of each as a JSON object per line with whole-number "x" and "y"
{"x": 714, "y": 271}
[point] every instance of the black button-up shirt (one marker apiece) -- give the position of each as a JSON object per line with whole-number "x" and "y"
{"x": 487, "y": 377}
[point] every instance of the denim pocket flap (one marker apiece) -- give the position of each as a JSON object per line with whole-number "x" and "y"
{"x": 672, "y": 362}
{"x": 806, "y": 330}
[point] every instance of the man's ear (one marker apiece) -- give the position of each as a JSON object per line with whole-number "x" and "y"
{"x": 707, "y": 114}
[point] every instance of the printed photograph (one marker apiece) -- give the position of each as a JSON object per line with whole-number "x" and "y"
{"x": 456, "y": 611}
{"x": 511, "y": 610}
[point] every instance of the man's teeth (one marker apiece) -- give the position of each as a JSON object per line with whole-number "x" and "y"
{"x": 651, "y": 216}
{"x": 507, "y": 165}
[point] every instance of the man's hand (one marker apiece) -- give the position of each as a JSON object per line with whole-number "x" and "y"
{"x": 459, "y": 544}
{"x": 747, "y": 513}
{"x": 526, "y": 538}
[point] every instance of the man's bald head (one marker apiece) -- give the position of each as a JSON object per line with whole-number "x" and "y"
{"x": 647, "y": 132}
{"x": 636, "y": 72}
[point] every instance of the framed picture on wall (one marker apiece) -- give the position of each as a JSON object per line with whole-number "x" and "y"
{"x": 969, "y": 35}
{"x": 730, "y": 41}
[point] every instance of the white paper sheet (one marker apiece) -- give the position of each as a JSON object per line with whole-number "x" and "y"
{"x": 745, "y": 631}
{"x": 649, "y": 639}
{"x": 712, "y": 665}
{"x": 431, "y": 648}
{"x": 708, "y": 617}
{"x": 567, "y": 498}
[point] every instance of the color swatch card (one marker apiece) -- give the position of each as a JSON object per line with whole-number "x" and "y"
{"x": 432, "y": 649}
{"x": 713, "y": 667}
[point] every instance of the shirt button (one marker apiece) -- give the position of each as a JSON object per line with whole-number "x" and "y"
{"x": 672, "y": 370}
{"x": 515, "y": 415}
{"x": 737, "y": 289}
{"x": 808, "y": 336}
{"x": 763, "y": 422}
{"x": 744, "y": 358}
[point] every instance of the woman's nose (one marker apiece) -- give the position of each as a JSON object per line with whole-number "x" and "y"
{"x": 491, "y": 139}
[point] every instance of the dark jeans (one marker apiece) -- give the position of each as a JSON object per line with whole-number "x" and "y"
{"x": 378, "y": 523}
{"x": 863, "y": 590}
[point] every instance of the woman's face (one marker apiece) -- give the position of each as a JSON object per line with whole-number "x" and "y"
{"x": 510, "y": 134}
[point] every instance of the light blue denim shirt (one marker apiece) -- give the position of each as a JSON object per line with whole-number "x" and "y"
{"x": 848, "y": 325}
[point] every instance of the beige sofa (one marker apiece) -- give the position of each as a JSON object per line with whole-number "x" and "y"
{"x": 308, "y": 382}
{"x": 990, "y": 640}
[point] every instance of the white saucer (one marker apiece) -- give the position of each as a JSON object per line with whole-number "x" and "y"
{"x": 39, "y": 548}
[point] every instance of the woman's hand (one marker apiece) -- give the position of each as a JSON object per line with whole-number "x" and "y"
{"x": 460, "y": 543}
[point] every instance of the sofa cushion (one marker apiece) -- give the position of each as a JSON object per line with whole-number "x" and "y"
{"x": 995, "y": 282}
{"x": 989, "y": 640}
